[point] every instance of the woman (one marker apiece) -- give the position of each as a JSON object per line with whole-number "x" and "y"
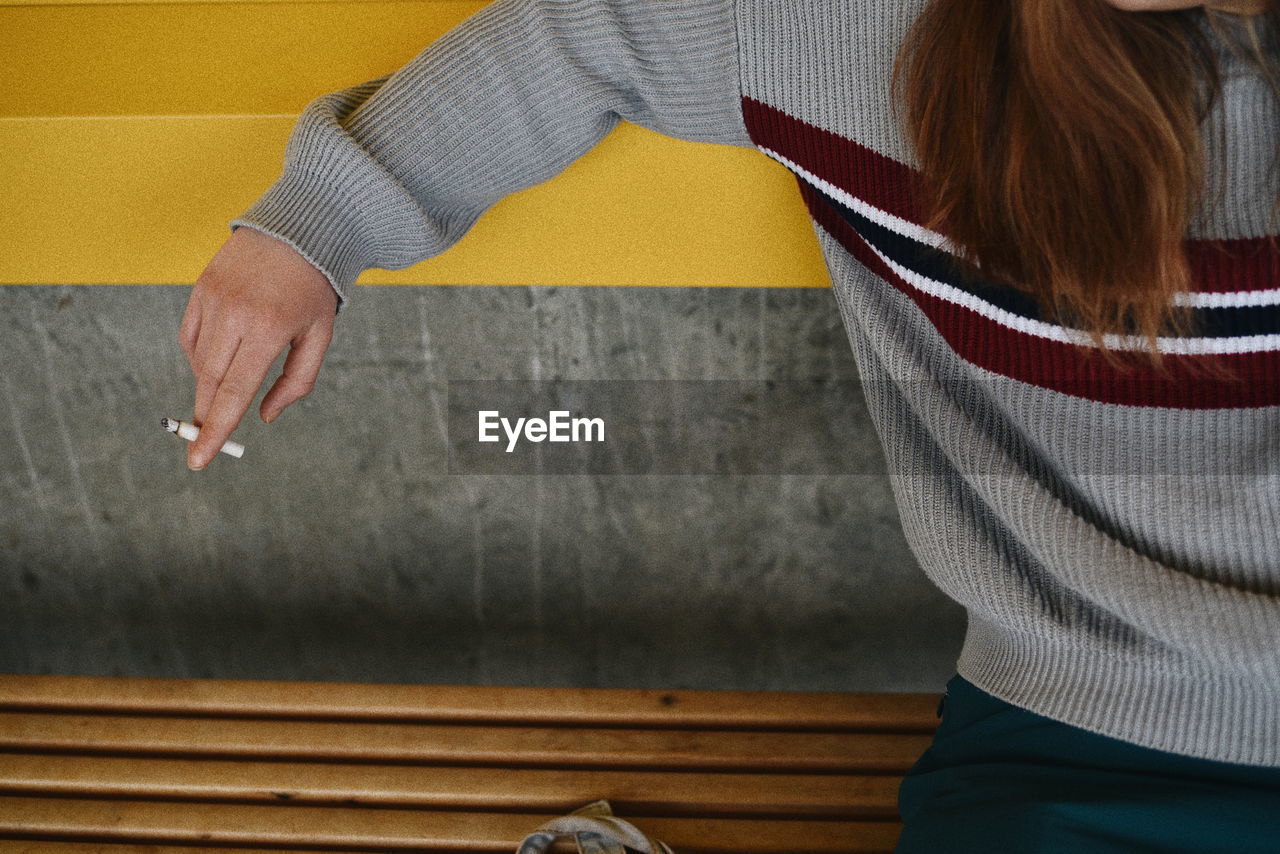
{"x": 1049, "y": 229}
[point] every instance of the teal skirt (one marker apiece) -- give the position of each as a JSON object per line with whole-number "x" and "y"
{"x": 998, "y": 778}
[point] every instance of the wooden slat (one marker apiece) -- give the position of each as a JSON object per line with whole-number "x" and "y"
{"x": 393, "y": 829}
{"x": 463, "y": 743}
{"x": 44, "y": 846}
{"x": 138, "y": 766}
{"x": 48, "y": 846}
{"x": 502, "y": 789}
{"x": 834, "y": 712}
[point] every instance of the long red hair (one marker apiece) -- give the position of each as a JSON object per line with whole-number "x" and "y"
{"x": 1059, "y": 143}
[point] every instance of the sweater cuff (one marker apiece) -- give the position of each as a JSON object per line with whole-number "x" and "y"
{"x": 308, "y": 213}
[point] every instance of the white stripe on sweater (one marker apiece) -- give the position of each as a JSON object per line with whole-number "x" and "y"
{"x": 1039, "y": 328}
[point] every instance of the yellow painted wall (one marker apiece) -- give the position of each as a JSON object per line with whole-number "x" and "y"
{"x": 130, "y": 134}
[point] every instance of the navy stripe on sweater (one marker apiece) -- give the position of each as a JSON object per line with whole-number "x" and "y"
{"x": 1211, "y": 322}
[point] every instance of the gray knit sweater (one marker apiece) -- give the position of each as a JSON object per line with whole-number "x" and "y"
{"x": 1114, "y": 538}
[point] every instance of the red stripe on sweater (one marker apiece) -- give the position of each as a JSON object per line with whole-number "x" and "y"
{"x": 877, "y": 180}
{"x": 1063, "y": 367}
{"x": 1217, "y": 266}
{"x": 1228, "y": 266}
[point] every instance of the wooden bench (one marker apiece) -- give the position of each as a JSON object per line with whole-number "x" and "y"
{"x": 162, "y": 766}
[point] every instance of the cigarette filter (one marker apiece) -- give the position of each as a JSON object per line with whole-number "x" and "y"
{"x": 190, "y": 432}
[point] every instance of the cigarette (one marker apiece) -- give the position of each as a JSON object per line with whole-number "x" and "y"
{"x": 190, "y": 432}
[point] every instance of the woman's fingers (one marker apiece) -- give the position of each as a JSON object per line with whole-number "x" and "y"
{"x": 231, "y": 398}
{"x": 189, "y": 330}
{"x": 214, "y": 351}
{"x": 301, "y": 367}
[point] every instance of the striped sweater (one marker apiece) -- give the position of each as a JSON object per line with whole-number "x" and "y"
{"x": 1115, "y": 539}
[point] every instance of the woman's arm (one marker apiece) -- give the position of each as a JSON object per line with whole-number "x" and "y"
{"x": 395, "y": 170}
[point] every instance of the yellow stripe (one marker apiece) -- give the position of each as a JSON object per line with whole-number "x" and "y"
{"x": 205, "y": 58}
{"x": 130, "y": 135}
{"x": 147, "y": 200}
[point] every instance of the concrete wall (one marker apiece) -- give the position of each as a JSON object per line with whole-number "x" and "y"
{"x": 341, "y": 547}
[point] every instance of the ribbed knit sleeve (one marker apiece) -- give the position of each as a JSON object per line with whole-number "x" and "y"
{"x": 397, "y": 169}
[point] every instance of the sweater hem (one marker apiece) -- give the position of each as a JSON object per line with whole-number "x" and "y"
{"x": 1188, "y": 711}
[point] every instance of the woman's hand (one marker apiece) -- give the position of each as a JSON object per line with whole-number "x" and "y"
{"x": 257, "y": 296}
